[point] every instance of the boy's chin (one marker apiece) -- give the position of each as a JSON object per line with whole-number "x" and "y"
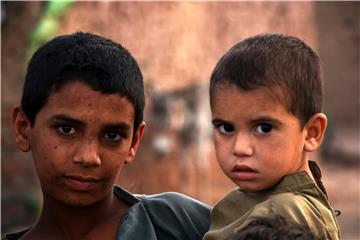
{"x": 77, "y": 200}
{"x": 81, "y": 202}
{"x": 254, "y": 187}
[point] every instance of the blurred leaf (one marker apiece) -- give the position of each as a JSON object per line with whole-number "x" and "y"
{"x": 57, "y": 7}
{"x": 46, "y": 29}
{"x": 48, "y": 24}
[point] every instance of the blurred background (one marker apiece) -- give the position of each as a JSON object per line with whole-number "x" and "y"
{"x": 177, "y": 44}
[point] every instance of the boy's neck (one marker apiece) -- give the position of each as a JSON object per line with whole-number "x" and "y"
{"x": 308, "y": 171}
{"x": 69, "y": 222}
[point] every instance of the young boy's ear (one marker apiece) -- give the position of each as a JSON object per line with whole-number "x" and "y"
{"x": 314, "y": 132}
{"x": 135, "y": 142}
{"x": 21, "y": 127}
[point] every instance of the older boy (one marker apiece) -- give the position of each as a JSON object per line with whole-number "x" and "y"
{"x": 266, "y": 97}
{"x": 81, "y": 116}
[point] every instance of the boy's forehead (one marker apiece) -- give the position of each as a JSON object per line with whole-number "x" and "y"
{"x": 81, "y": 90}
{"x": 80, "y": 96}
{"x": 273, "y": 93}
{"x": 239, "y": 106}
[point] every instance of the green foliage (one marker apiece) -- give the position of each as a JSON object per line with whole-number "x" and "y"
{"x": 48, "y": 24}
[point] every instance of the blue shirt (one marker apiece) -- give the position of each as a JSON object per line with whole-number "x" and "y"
{"x": 163, "y": 216}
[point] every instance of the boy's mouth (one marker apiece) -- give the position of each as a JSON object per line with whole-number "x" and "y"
{"x": 83, "y": 179}
{"x": 243, "y": 173}
{"x": 81, "y": 183}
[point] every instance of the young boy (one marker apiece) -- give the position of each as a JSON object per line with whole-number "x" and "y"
{"x": 266, "y": 97}
{"x": 81, "y": 116}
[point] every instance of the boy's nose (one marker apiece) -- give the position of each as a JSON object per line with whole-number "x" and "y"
{"x": 242, "y": 146}
{"x": 87, "y": 154}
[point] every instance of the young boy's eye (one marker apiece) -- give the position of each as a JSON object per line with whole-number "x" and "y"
{"x": 113, "y": 136}
{"x": 225, "y": 128}
{"x": 67, "y": 129}
{"x": 263, "y": 128}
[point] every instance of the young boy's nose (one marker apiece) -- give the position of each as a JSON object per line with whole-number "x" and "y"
{"x": 242, "y": 146}
{"x": 87, "y": 154}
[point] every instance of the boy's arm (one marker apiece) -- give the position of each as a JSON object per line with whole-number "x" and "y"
{"x": 176, "y": 216}
{"x": 300, "y": 209}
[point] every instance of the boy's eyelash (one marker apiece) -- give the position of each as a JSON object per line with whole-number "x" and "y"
{"x": 121, "y": 134}
{"x": 263, "y": 128}
{"x": 218, "y": 124}
{"x": 224, "y": 128}
{"x": 65, "y": 126}
{"x": 107, "y": 134}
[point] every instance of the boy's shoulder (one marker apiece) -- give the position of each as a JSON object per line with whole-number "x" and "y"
{"x": 171, "y": 211}
{"x": 296, "y": 198}
{"x": 297, "y": 206}
{"x": 167, "y": 215}
{"x": 297, "y": 187}
{"x": 302, "y": 209}
{"x": 174, "y": 200}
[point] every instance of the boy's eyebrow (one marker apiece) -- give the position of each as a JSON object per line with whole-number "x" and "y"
{"x": 65, "y": 118}
{"x": 266, "y": 119}
{"x": 218, "y": 120}
{"x": 122, "y": 126}
{"x": 257, "y": 119}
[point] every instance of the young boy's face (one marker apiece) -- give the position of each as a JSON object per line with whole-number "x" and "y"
{"x": 257, "y": 141}
{"x": 80, "y": 140}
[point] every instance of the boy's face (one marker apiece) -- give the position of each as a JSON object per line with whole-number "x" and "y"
{"x": 257, "y": 141}
{"x": 80, "y": 141}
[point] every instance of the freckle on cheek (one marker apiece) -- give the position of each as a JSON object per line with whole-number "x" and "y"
{"x": 55, "y": 147}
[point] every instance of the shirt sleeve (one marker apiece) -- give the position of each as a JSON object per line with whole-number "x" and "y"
{"x": 300, "y": 210}
{"x": 176, "y": 216}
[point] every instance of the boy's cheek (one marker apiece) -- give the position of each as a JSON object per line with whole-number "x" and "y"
{"x": 217, "y": 140}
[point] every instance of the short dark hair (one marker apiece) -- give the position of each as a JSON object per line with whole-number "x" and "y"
{"x": 104, "y": 65}
{"x": 274, "y": 228}
{"x": 274, "y": 60}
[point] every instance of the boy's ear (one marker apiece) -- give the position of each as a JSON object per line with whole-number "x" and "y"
{"x": 135, "y": 142}
{"x": 21, "y": 127}
{"x": 314, "y": 132}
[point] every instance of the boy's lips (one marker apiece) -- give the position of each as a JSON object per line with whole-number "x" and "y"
{"x": 81, "y": 183}
{"x": 243, "y": 172}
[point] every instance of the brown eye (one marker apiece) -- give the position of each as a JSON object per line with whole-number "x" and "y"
{"x": 113, "y": 136}
{"x": 263, "y": 128}
{"x": 67, "y": 130}
{"x": 225, "y": 128}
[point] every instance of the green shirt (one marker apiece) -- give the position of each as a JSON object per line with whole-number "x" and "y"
{"x": 296, "y": 198}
